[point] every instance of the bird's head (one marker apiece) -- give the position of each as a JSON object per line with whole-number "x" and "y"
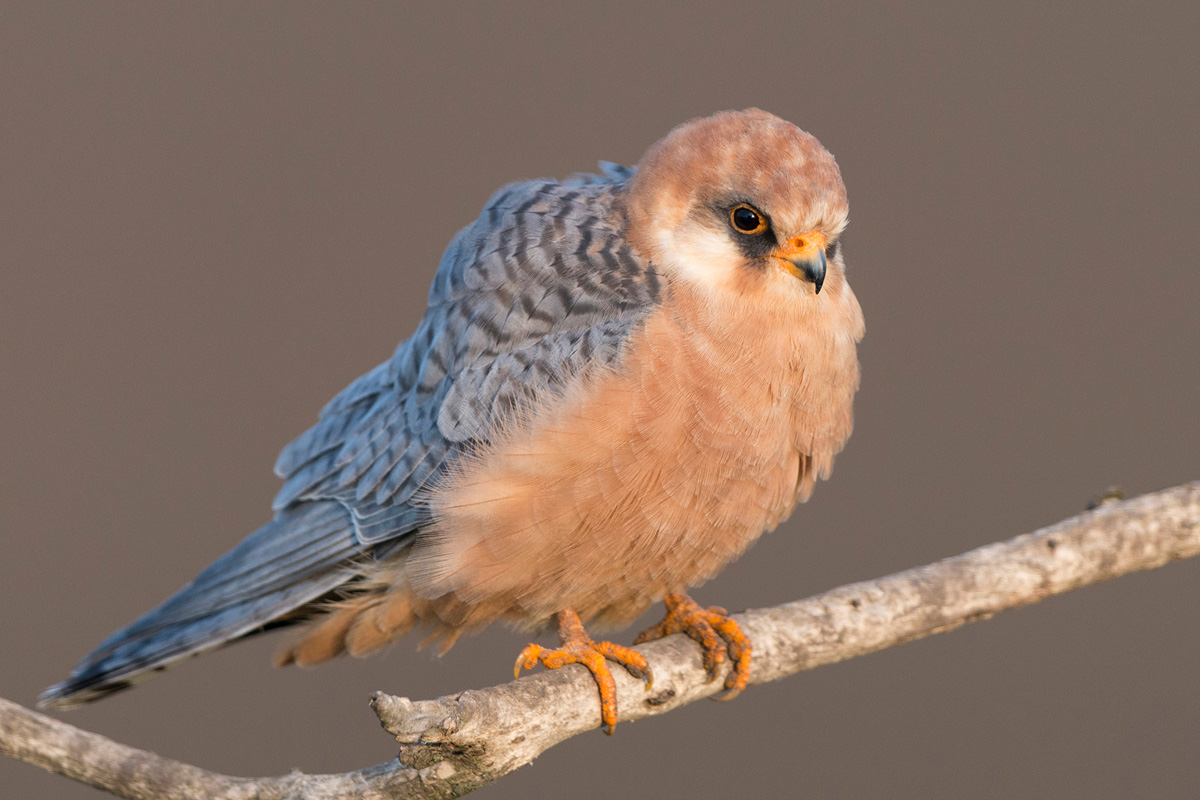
{"x": 741, "y": 201}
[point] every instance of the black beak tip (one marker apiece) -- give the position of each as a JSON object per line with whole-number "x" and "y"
{"x": 814, "y": 270}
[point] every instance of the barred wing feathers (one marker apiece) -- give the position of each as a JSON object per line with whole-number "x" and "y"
{"x": 540, "y": 288}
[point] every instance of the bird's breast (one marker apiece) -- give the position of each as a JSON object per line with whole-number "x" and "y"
{"x": 643, "y": 479}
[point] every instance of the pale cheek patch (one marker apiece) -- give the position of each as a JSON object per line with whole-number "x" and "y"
{"x": 703, "y": 257}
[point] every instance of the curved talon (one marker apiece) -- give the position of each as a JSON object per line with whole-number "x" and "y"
{"x": 725, "y": 695}
{"x": 579, "y": 648}
{"x": 718, "y": 635}
{"x": 647, "y": 677}
{"x": 528, "y": 659}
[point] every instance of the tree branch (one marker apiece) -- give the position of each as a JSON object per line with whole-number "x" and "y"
{"x": 452, "y": 745}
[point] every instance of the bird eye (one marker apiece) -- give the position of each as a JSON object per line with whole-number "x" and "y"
{"x": 746, "y": 219}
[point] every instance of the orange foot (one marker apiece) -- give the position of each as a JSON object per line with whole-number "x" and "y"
{"x": 708, "y": 627}
{"x": 578, "y": 648}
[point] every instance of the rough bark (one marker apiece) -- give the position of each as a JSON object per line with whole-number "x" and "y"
{"x": 452, "y": 745}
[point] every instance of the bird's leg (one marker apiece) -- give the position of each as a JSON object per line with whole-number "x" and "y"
{"x": 579, "y": 648}
{"x": 708, "y": 626}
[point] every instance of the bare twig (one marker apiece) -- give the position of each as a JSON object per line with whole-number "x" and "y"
{"x": 452, "y": 745}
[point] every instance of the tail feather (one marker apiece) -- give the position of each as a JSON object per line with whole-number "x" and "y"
{"x": 291, "y": 561}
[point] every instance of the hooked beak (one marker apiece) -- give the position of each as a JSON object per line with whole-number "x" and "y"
{"x": 804, "y": 257}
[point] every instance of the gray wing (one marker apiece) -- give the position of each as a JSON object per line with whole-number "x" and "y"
{"x": 540, "y": 288}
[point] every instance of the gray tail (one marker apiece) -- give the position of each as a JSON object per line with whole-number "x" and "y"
{"x": 292, "y": 560}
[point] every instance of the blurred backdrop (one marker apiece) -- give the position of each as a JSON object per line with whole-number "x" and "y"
{"x": 213, "y": 216}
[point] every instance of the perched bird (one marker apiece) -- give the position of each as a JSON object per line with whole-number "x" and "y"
{"x": 621, "y": 381}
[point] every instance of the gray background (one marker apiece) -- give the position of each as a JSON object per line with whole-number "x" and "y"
{"x": 214, "y": 216}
